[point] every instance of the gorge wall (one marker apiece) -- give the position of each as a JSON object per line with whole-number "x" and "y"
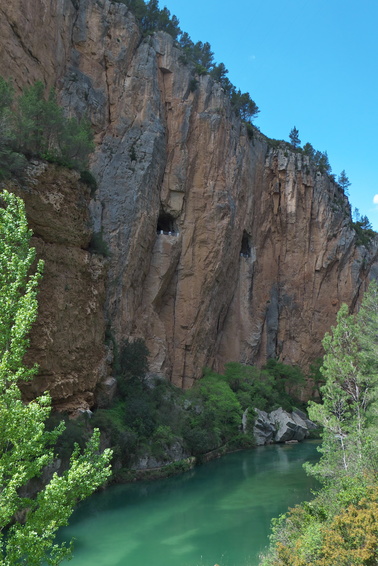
{"x": 222, "y": 246}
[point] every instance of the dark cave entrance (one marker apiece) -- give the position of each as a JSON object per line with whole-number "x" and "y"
{"x": 166, "y": 223}
{"x": 245, "y": 250}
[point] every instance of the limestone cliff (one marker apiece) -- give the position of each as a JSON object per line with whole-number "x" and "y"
{"x": 221, "y": 247}
{"x": 68, "y": 338}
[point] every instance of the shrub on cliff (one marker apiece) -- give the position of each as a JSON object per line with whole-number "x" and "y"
{"x": 34, "y": 125}
{"x": 150, "y": 19}
{"x": 364, "y": 231}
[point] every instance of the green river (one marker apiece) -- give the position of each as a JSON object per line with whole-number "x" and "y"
{"x": 218, "y": 513}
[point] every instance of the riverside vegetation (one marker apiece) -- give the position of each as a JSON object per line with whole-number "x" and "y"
{"x": 339, "y": 526}
{"x": 151, "y": 418}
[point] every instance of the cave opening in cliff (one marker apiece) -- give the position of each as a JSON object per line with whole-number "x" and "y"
{"x": 245, "y": 250}
{"x": 166, "y": 223}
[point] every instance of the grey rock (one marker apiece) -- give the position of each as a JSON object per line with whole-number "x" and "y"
{"x": 288, "y": 428}
{"x": 281, "y": 426}
{"x": 309, "y": 424}
{"x": 173, "y": 453}
{"x": 263, "y": 429}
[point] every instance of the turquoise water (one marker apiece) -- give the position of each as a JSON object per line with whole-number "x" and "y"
{"x": 218, "y": 513}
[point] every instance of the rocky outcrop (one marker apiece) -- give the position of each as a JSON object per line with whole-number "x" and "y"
{"x": 172, "y": 453}
{"x": 281, "y": 426}
{"x": 222, "y": 248}
{"x": 68, "y": 338}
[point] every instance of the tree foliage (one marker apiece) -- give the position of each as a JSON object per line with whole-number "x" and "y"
{"x": 339, "y": 526}
{"x": 148, "y": 412}
{"x": 151, "y": 18}
{"x": 199, "y": 54}
{"x": 35, "y": 125}
{"x": 364, "y": 230}
{"x": 243, "y": 105}
{"x": 343, "y": 181}
{"x": 350, "y": 390}
{"x": 28, "y": 525}
{"x": 319, "y": 159}
{"x": 294, "y": 137}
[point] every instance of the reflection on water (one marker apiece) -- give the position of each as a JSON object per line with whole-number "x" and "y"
{"x": 218, "y": 513}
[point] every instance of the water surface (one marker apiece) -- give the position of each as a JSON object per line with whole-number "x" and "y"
{"x": 218, "y": 513}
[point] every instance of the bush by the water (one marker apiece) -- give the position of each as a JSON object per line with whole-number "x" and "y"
{"x": 339, "y": 527}
{"x": 149, "y": 415}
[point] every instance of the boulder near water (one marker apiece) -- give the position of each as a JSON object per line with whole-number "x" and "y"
{"x": 281, "y": 426}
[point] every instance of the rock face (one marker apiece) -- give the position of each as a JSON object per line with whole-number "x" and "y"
{"x": 281, "y": 426}
{"x": 222, "y": 247}
{"x": 68, "y": 338}
{"x": 173, "y": 453}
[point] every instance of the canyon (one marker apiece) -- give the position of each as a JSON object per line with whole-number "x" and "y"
{"x": 221, "y": 244}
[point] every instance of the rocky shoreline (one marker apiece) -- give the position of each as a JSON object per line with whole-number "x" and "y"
{"x": 277, "y": 427}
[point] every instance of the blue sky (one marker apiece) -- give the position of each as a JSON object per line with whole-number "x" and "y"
{"x": 312, "y": 64}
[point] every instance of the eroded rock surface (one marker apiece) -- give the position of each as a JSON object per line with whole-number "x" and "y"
{"x": 68, "y": 339}
{"x": 281, "y": 426}
{"x": 260, "y": 255}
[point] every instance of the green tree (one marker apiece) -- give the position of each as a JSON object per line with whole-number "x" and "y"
{"x": 168, "y": 23}
{"x": 243, "y": 105}
{"x": 26, "y": 447}
{"x": 75, "y": 143}
{"x": 316, "y": 377}
{"x": 349, "y": 394}
{"x": 39, "y": 128}
{"x": 318, "y": 159}
{"x": 322, "y": 162}
{"x": 218, "y": 73}
{"x": 364, "y": 230}
{"x": 339, "y": 526}
{"x": 294, "y": 137}
{"x": 185, "y": 42}
{"x": 202, "y": 55}
{"x": 137, "y": 7}
{"x": 344, "y": 182}
{"x": 288, "y": 381}
{"x": 220, "y": 401}
{"x": 31, "y": 120}
{"x": 309, "y": 150}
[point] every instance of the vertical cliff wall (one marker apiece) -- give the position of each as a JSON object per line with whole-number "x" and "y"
{"x": 221, "y": 247}
{"x": 67, "y": 341}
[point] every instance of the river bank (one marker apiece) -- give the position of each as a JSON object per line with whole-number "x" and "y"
{"x": 278, "y": 427}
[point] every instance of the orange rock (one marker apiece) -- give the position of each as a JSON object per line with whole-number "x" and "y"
{"x": 262, "y": 253}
